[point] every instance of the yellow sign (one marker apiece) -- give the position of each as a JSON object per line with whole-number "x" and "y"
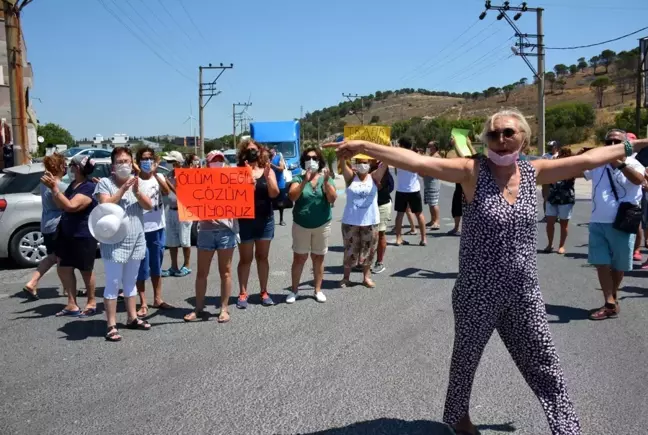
{"x": 379, "y": 134}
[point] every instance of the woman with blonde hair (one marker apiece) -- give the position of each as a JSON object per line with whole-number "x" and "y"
{"x": 50, "y": 217}
{"x": 256, "y": 234}
{"x": 497, "y": 284}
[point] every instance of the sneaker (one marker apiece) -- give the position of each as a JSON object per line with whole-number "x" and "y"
{"x": 184, "y": 271}
{"x": 320, "y": 297}
{"x": 242, "y": 302}
{"x": 169, "y": 272}
{"x": 378, "y": 268}
{"x": 291, "y": 298}
{"x": 266, "y": 300}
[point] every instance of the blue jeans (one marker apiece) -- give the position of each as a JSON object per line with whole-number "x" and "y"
{"x": 151, "y": 265}
{"x": 216, "y": 240}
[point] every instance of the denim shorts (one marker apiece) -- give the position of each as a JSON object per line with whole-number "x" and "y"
{"x": 610, "y": 247}
{"x": 562, "y": 211}
{"x": 215, "y": 240}
{"x": 251, "y": 230}
{"x": 151, "y": 265}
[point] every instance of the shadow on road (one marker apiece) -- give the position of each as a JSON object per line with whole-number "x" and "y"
{"x": 566, "y": 314}
{"x": 413, "y": 272}
{"x": 388, "y": 426}
{"x": 40, "y": 311}
{"x": 43, "y": 293}
{"x": 641, "y": 292}
{"x": 84, "y": 329}
{"x": 576, "y": 255}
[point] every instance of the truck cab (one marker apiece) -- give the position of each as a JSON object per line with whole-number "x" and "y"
{"x": 283, "y": 136}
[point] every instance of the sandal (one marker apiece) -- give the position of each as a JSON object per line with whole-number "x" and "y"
{"x": 71, "y": 313}
{"x": 344, "y": 283}
{"x": 369, "y": 283}
{"x": 435, "y": 227}
{"x": 196, "y": 315}
{"x": 223, "y": 317}
{"x": 32, "y": 295}
{"x": 605, "y": 312}
{"x": 422, "y": 243}
{"x": 140, "y": 324}
{"x": 411, "y": 233}
{"x": 88, "y": 312}
{"x": 143, "y": 311}
{"x": 163, "y": 306}
{"x": 548, "y": 250}
{"x": 113, "y": 334}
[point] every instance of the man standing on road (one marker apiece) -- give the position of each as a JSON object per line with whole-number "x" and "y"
{"x": 553, "y": 146}
{"x": 614, "y": 186}
{"x": 408, "y": 195}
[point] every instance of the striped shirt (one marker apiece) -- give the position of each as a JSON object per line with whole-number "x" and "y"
{"x": 133, "y": 247}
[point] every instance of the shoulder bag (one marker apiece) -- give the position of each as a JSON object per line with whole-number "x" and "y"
{"x": 628, "y": 217}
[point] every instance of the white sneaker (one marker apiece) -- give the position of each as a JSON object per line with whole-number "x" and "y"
{"x": 291, "y": 298}
{"x": 319, "y": 296}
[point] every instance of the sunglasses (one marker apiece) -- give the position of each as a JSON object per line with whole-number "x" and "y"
{"x": 496, "y": 134}
{"x": 311, "y": 158}
{"x": 613, "y": 141}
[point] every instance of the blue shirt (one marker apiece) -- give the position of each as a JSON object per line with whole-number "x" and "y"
{"x": 281, "y": 182}
{"x": 76, "y": 224}
{"x": 51, "y": 213}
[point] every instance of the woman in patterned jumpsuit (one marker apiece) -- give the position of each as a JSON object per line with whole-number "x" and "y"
{"x": 497, "y": 285}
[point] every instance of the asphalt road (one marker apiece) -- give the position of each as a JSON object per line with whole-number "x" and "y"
{"x": 365, "y": 362}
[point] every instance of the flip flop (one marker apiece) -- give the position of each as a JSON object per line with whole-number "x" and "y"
{"x": 69, "y": 313}
{"x": 222, "y": 319}
{"x": 32, "y": 296}
{"x": 88, "y": 312}
{"x": 411, "y": 233}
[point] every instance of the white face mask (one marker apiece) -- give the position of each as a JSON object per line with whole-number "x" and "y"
{"x": 71, "y": 174}
{"x": 362, "y": 168}
{"x": 313, "y": 165}
{"x": 196, "y": 163}
{"x": 123, "y": 170}
{"x": 216, "y": 164}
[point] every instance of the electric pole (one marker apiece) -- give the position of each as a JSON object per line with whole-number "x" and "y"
{"x": 237, "y": 117}
{"x": 522, "y": 44}
{"x": 642, "y": 82}
{"x": 351, "y": 97}
{"x": 14, "y": 36}
{"x": 207, "y": 89}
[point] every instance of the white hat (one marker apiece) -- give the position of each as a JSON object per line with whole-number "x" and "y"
{"x": 174, "y": 156}
{"x": 108, "y": 223}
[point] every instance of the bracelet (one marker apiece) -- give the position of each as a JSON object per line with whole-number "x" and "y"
{"x": 628, "y": 148}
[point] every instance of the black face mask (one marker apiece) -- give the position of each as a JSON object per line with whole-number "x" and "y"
{"x": 252, "y": 155}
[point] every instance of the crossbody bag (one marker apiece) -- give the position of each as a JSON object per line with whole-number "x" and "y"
{"x": 628, "y": 217}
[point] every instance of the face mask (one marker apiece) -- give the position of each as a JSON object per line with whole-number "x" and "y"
{"x": 216, "y": 164}
{"x": 313, "y": 165}
{"x": 123, "y": 170}
{"x": 196, "y": 163}
{"x": 252, "y": 155}
{"x": 505, "y": 160}
{"x": 146, "y": 166}
{"x": 362, "y": 168}
{"x": 70, "y": 173}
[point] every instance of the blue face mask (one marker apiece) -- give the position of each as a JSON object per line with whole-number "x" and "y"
{"x": 146, "y": 166}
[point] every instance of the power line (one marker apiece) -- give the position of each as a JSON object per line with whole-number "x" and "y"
{"x": 455, "y": 39}
{"x": 193, "y": 23}
{"x": 460, "y": 79}
{"x": 173, "y": 19}
{"x": 139, "y": 38}
{"x": 598, "y": 43}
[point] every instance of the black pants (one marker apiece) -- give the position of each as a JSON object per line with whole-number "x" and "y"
{"x": 457, "y": 201}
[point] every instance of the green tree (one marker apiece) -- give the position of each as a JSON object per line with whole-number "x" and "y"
{"x": 507, "y": 91}
{"x": 53, "y": 134}
{"x": 626, "y": 121}
{"x": 594, "y": 62}
{"x": 582, "y": 64}
{"x": 560, "y": 85}
{"x": 599, "y": 86}
{"x": 569, "y": 123}
{"x": 551, "y": 78}
{"x": 606, "y": 58}
{"x": 523, "y": 81}
{"x": 561, "y": 69}
{"x": 573, "y": 69}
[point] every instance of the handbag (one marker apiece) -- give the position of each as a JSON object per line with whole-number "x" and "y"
{"x": 628, "y": 217}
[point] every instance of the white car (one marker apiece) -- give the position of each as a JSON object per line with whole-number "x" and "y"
{"x": 95, "y": 153}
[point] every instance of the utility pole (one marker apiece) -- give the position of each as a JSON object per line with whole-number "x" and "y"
{"x": 642, "y": 82}
{"x": 13, "y": 33}
{"x": 207, "y": 89}
{"x": 237, "y": 117}
{"x": 522, "y": 44}
{"x": 351, "y": 97}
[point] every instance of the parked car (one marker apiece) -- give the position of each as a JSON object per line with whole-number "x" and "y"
{"x": 96, "y": 153}
{"x": 21, "y": 209}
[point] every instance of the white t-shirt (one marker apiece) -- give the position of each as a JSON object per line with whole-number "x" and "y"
{"x": 604, "y": 204}
{"x": 154, "y": 218}
{"x": 407, "y": 182}
{"x": 361, "y": 207}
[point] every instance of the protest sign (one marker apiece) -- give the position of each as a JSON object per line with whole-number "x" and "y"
{"x": 215, "y": 193}
{"x": 372, "y": 133}
{"x": 461, "y": 142}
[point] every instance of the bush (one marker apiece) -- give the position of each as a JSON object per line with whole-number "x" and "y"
{"x": 569, "y": 123}
{"x": 566, "y": 136}
{"x": 626, "y": 121}
{"x": 601, "y": 131}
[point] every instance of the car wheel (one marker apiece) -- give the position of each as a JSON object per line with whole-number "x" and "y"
{"x": 27, "y": 247}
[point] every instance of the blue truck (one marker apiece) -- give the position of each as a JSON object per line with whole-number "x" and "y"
{"x": 283, "y": 136}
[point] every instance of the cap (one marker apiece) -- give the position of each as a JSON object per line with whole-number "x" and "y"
{"x": 554, "y": 143}
{"x": 83, "y": 162}
{"x": 174, "y": 156}
{"x": 213, "y": 154}
{"x": 631, "y": 136}
{"x": 108, "y": 223}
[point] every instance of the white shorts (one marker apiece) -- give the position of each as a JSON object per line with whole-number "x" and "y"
{"x": 178, "y": 234}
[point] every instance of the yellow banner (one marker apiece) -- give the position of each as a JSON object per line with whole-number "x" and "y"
{"x": 379, "y": 134}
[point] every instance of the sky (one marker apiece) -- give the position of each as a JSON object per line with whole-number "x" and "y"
{"x": 135, "y": 70}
